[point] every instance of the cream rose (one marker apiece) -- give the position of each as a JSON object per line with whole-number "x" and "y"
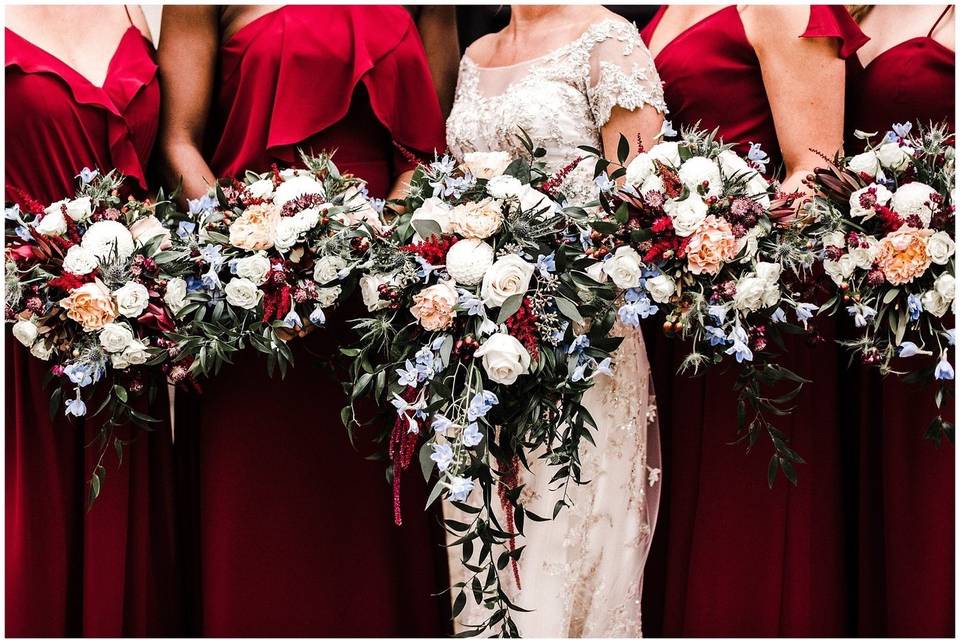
{"x": 108, "y": 238}
{"x": 842, "y": 269}
{"x": 115, "y": 337}
{"x": 504, "y": 358}
{"x": 433, "y": 210}
{"x": 934, "y": 303}
{"x": 661, "y": 287}
{"x": 52, "y": 224}
{"x": 79, "y": 210}
{"x": 732, "y": 165}
{"x": 176, "y": 294}
{"x": 892, "y": 156}
{"x": 946, "y": 286}
{"x": 701, "y": 173}
{"x": 328, "y": 296}
{"x": 242, "y": 293}
{"x": 478, "y": 220}
{"x": 940, "y": 247}
{"x": 865, "y": 162}
{"x": 135, "y": 354}
{"x": 132, "y": 299}
{"x": 468, "y": 260}
{"x": 147, "y": 228}
{"x": 509, "y": 276}
{"x": 25, "y": 332}
{"x": 761, "y": 289}
{"x": 79, "y": 261}
{"x": 255, "y": 268}
{"x": 254, "y": 229}
{"x": 296, "y": 187}
{"x": 625, "y": 267}
{"x": 687, "y": 214}
{"x": 370, "y": 291}
{"x": 486, "y": 164}
{"x": 42, "y": 349}
{"x": 285, "y": 234}
{"x": 434, "y": 306}
{"x": 91, "y": 305}
{"x": 596, "y": 272}
{"x": 328, "y": 268}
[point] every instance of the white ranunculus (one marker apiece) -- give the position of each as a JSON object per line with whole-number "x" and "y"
{"x": 509, "y": 276}
{"x": 639, "y": 169}
{"x": 115, "y": 337}
{"x": 108, "y": 238}
{"x": 468, "y": 260}
{"x": 79, "y": 261}
{"x": 596, "y": 272}
{"x": 132, "y": 299}
{"x": 865, "y": 162}
{"x": 176, "y": 294}
{"x": 79, "y": 210}
{"x": 370, "y": 291}
{"x": 435, "y": 210}
{"x": 42, "y": 349}
{"x": 667, "y": 153}
{"x": 834, "y": 239}
{"x": 732, "y": 165}
{"x": 934, "y": 303}
{"x": 243, "y": 293}
{"x": 52, "y": 224}
{"x": 699, "y": 172}
{"x": 661, "y": 287}
{"x": 863, "y": 201}
{"x": 478, "y": 220}
{"x": 625, "y": 267}
{"x": 863, "y": 257}
{"x": 946, "y": 286}
{"x": 260, "y": 189}
{"x": 503, "y": 187}
{"x": 504, "y": 358}
{"x": 255, "y": 267}
{"x": 914, "y": 198}
{"x": 940, "y": 247}
{"x": 327, "y": 269}
{"x": 486, "y": 164}
{"x": 687, "y": 214}
{"x": 892, "y": 156}
{"x": 842, "y": 269}
{"x": 328, "y": 296}
{"x": 285, "y": 234}
{"x": 296, "y": 187}
{"x": 25, "y": 332}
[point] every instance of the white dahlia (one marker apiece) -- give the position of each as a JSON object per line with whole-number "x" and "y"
{"x": 468, "y": 260}
{"x": 102, "y": 237}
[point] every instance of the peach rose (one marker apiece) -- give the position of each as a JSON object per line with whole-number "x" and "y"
{"x": 902, "y": 254}
{"x": 147, "y": 228}
{"x": 254, "y": 230}
{"x": 433, "y": 306}
{"x": 710, "y": 246}
{"x": 91, "y": 305}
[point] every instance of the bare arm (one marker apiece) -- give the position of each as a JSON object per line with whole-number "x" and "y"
{"x": 437, "y": 25}
{"x": 187, "y": 55}
{"x": 644, "y": 122}
{"x": 804, "y": 79}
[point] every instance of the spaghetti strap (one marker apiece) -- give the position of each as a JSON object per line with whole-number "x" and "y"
{"x": 937, "y": 23}
{"x": 129, "y": 18}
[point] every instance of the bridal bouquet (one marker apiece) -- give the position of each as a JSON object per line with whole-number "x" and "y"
{"x": 485, "y": 332}
{"x": 92, "y": 286}
{"x": 689, "y": 236}
{"x": 269, "y": 256}
{"x": 882, "y": 224}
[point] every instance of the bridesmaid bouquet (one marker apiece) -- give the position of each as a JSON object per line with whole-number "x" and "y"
{"x": 689, "y": 237}
{"x": 92, "y": 286}
{"x": 270, "y": 256}
{"x": 882, "y": 225}
{"x": 485, "y": 332}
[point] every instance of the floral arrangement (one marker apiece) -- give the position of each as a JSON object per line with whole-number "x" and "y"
{"x": 882, "y": 226}
{"x": 689, "y": 236}
{"x": 92, "y": 287}
{"x": 485, "y": 332}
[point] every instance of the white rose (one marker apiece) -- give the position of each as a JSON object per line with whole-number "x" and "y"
{"x": 468, "y": 260}
{"x": 624, "y": 268}
{"x": 242, "y": 293}
{"x": 750, "y": 293}
{"x": 255, "y": 268}
{"x": 25, "y": 332}
{"x": 176, "y": 294}
{"x": 260, "y": 189}
{"x": 892, "y": 156}
{"x": 115, "y": 337}
{"x": 661, "y": 288}
{"x": 327, "y": 269}
{"x": 477, "y": 219}
{"x": 667, "y": 153}
{"x": 79, "y": 210}
{"x": 504, "y": 358}
{"x": 732, "y": 165}
{"x": 434, "y": 210}
{"x": 135, "y": 354}
{"x": 52, "y": 224}
{"x": 768, "y": 271}
{"x": 914, "y": 199}
{"x": 842, "y": 269}
{"x": 285, "y": 234}
{"x": 653, "y": 182}
{"x": 687, "y": 214}
{"x": 79, "y": 261}
{"x": 146, "y": 228}
{"x": 596, "y": 272}
{"x": 863, "y": 201}
{"x": 370, "y": 291}
{"x": 108, "y": 238}
{"x": 510, "y": 275}
{"x": 934, "y": 303}
{"x": 132, "y": 299}
{"x": 296, "y": 187}
{"x": 946, "y": 286}
{"x": 699, "y": 171}
{"x": 41, "y": 349}
{"x": 940, "y": 247}
{"x": 834, "y": 239}
{"x": 486, "y": 164}
{"x": 504, "y": 187}
{"x": 533, "y": 200}
{"x": 328, "y": 296}
{"x": 865, "y": 162}
{"x": 639, "y": 169}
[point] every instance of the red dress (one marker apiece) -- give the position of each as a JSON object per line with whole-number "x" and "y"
{"x": 906, "y": 484}
{"x": 731, "y": 556}
{"x": 295, "y": 530}
{"x": 68, "y": 572}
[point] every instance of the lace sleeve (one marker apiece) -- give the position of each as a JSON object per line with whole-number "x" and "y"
{"x": 622, "y": 74}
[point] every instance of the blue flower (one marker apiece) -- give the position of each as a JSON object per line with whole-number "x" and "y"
{"x": 604, "y": 368}
{"x": 634, "y": 294}
{"x": 805, "y": 311}
{"x": 758, "y": 155}
{"x": 546, "y": 264}
{"x": 442, "y": 455}
{"x": 185, "y": 229}
{"x": 667, "y": 130}
{"x": 604, "y": 183}
{"x": 23, "y": 233}
{"x": 580, "y": 343}
{"x": 718, "y": 312}
{"x": 211, "y": 255}
{"x": 460, "y": 488}
{"x": 739, "y": 348}
{"x": 441, "y": 423}
{"x": 471, "y": 304}
{"x": 211, "y": 280}
{"x": 902, "y": 129}
{"x": 914, "y": 306}
{"x": 481, "y": 404}
{"x": 87, "y": 175}
{"x": 318, "y": 317}
{"x": 201, "y": 205}
{"x": 446, "y": 164}
{"x": 909, "y": 349}
{"x": 629, "y": 315}
{"x": 890, "y": 136}
{"x": 950, "y": 335}
{"x": 471, "y": 436}
{"x": 80, "y": 374}
{"x": 409, "y": 376}
{"x": 944, "y": 370}
{"x": 579, "y": 372}
{"x": 12, "y": 213}
{"x": 292, "y": 320}
{"x": 716, "y": 336}
{"x": 194, "y": 284}
{"x": 778, "y": 315}
{"x": 76, "y": 407}
{"x": 424, "y": 271}
{"x": 862, "y": 314}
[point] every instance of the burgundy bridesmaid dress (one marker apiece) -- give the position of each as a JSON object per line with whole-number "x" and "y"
{"x": 904, "y": 484}
{"x": 109, "y": 571}
{"x": 295, "y": 529}
{"x": 730, "y": 555}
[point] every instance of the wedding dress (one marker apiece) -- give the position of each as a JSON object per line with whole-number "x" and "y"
{"x": 582, "y": 573}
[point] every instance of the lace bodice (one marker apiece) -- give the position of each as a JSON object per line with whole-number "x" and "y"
{"x": 561, "y": 99}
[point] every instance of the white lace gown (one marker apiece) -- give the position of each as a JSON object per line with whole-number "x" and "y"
{"x": 582, "y": 574}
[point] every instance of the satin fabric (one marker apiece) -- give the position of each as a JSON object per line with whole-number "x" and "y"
{"x": 731, "y": 556}
{"x": 902, "y": 485}
{"x": 112, "y": 570}
{"x": 292, "y": 528}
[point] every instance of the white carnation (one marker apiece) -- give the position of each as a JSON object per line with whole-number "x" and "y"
{"x": 701, "y": 173}
{"x": 639, "y": 169}
{"x": 79, "y": 261}
{"x": 260, "y": 189}
{"x": 503, "y": 187}
{"x": 295, "y": 187}
{"x": 914, "y": 198}
{"x": 863, "y": 202}
{"x": 107, "y": 238}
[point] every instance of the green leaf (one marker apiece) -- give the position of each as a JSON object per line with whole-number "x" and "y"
{"x": 120, "y": 392}
{"x": 427, "y": 228}
{"x": 426, "y": 464}
{"x": 568, "y": 309}
{"x": 509, "y": 307}
{"x": 623, "y": 149}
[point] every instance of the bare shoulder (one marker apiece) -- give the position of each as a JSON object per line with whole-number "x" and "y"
{"x": 483, "y": 47}
{"x": 599, "y": 13}
{"x": 139, "y": 20}
{"x": 763, "y": 21}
